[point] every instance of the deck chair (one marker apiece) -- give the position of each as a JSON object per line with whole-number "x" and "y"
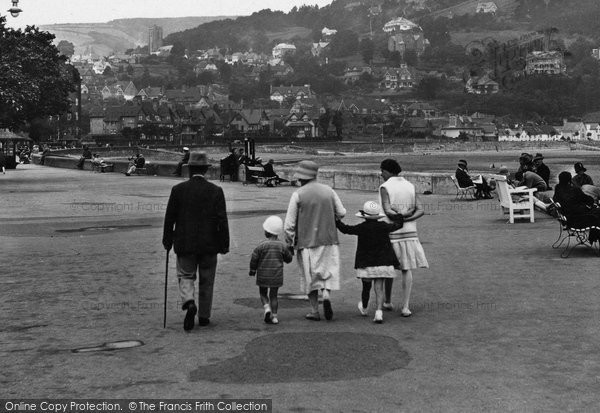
{"x": 463, "y": 193}
{"x": 568, "y": 232}
{"x": 513, "y": 200}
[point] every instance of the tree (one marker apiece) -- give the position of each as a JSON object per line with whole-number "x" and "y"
{"x": 344, "y": 43}
{"x": 35, "y": 80}
{"x": 66, "y": 48}
{"x": 367, "y": 49}
{"x": 338, "y": 122}
{"x": 108, "y": 72}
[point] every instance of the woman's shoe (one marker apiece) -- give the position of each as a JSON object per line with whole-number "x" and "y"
{"x": 405, "y": 312}
{"x": 378, "y": 317}
{"x": 388, "y": 306}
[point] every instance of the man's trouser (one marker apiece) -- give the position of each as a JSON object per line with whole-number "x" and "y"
{"x": 206, "y": 267}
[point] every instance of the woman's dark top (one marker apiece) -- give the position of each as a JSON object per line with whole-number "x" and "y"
{"x": 374, "y": 248}
{"x": 576, "y": 206}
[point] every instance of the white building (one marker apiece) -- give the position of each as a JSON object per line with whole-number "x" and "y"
{"x": 400, "y": 24}
{"x": 282, "y": 49}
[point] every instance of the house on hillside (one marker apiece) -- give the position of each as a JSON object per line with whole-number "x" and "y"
{"x": 281, "y": 93}
{"x": 150, "y": 93}
{"x": 327, "y": 34}
{"x": 400, "y": 24}
{"x": 318, "y": 48}
{"x": 545, "y": 63}
{"x": 572, "y": 130}
{"x": 353, "y": 74}
{"x": 482, "y": 85}
{"x": 397, "y": 78}
{"x": 458, "y": 125}
{"x": 282, "y": 49}
{"x": 303, "y": 125}
{"x": 591, "y": 121}
{"x": 596, "y": 54}
{"x": 486, "y": 7}
{"x": 404, "y": 41}
{"x": 120, "y": 90}
{"x": 421, "y": 110}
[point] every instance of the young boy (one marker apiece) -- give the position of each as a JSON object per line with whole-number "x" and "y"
{"x": 267, "y": 264}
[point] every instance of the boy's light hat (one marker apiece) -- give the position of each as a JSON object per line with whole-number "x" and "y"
{"x": 273, "y": 225}
{"x": 371, "y": 210}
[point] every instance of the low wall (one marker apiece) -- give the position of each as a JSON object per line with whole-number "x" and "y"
{"x": 435, "y": 182}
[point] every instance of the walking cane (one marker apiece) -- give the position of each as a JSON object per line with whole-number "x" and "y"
{"x": 166, "y": 278}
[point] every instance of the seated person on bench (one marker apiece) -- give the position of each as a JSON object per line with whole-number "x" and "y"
{"x": 272, "y": 178}
{"x": 98, "y": 162}
{"x": 134, "y": 163}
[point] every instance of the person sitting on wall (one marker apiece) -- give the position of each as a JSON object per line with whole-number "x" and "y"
{"x": 465, "y": 180}
{"x": 184, "y": 160}
{"x": 272, "y": 178}
{"x": 87, "y": 154}
{"x": 134, "y": 163}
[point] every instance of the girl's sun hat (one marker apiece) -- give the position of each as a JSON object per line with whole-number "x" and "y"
{"x": 273, "y": 225}
{"x": 371, "y": 210}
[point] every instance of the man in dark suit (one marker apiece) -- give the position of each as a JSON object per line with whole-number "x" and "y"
{"x": 464, "y": 181}
{"x": 196, "y": 226}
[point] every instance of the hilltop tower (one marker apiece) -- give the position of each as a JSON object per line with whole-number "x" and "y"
{"x": 155, "y": 38}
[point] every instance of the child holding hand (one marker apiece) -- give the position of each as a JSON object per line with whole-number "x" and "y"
{"x": 267, "y": 265}
{"x": 375, "y": 258}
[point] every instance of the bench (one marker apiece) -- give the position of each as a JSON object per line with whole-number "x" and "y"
{"x": 140, "y": 171}
{"x": 462, "y": 193}
{"x": 255, "y": 174}
{"x": 567, "y": 232}
{"x": 107, "y": 167}
{"x": 520, "y": 200}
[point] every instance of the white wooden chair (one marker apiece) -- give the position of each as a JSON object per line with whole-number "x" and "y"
{"x": 523, "y": 202}
{"x": 463, "y": 193}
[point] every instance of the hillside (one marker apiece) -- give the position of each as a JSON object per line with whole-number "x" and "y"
{"x": 120, "y": 35}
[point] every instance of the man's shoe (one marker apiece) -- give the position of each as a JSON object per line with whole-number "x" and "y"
{"x": 313, "y": 316}
{"x": 363, "y": 311}
{"x": 378, "y": 317}
{"x": 327, "y": 309}
{"x": 203, "y": 321}
{"x": 188, "y": 321}
{"x": 388, "y": 306}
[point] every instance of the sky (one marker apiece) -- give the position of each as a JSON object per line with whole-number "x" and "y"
{"x": 43, "y": 12}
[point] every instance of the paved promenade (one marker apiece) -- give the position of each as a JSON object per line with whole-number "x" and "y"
{"x": 500, "y": 322}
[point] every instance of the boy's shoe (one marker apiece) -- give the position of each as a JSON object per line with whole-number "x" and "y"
{"x": 267, "y": 316}
{"x": 188, "y": 321}
{"x": 327, "y": 309}
{"x": 313, "y": 316}
{"x": 363, "y": 311}
{"x": 274, "y": 319}
{"x": 405, "y": 312}
{"x": 388, "y": 306}
{"x": 378, "y": 317}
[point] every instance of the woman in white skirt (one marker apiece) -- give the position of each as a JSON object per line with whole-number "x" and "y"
{"x": 398, "y": 198}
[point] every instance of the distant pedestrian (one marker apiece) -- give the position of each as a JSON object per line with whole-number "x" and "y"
{"x": 2, "y": 161}
{"x": 375, "y": 258}
{"x": 310, "y": 228}
{"x": 196, "y": 226}
{"x": 267, "y": 265}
